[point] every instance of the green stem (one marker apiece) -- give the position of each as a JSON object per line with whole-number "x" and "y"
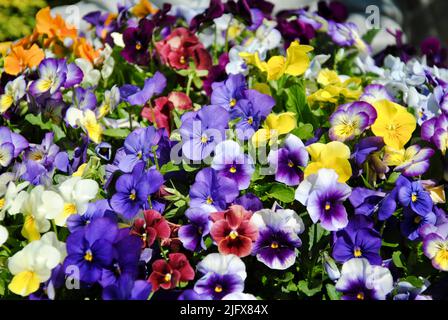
{"x": 130, "y": 117}
{"x": 6, "y": 249}
{"x": 155, "y": 159}
{"x": 190, "y": 79}
{"x": 55, "y": 229}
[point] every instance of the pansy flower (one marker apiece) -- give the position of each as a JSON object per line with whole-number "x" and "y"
{"x": 289, "y": 161}
{"x": 274, "y": 126}
{"x": 14, "y": 91}
{"x": 126, "y": 288}
{"x": 192, "y": 234}
{"x": 350, "y": 120}
{"x": 323, "y": 197}
{"x": 227, "y": 93}
{"x": 361, "y": 281}
{"x": 221, "y": 275}
{"x": 411, "y": 162}
{"x": 358, "y": 239}
{"x": 233, "y": 231}
{"x": 11, "y": 145}
{"x": 231, "y": 162}
{"x": 151, "y": 227}
{"x": 278, "y": 238}
{"x": 435, "y": 130}
{"x": 137, "y": 40}
{"x": 413, "y": 222}
{"x": 435, "y": 247}
{"x": 168, "y": 274}
{"x": 20, "y": 58}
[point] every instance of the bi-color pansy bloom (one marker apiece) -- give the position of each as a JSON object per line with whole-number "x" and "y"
{"x": 11, "y": 145}
{"x": 435, "y": 247}
{"x": 435, "y": 130}
{"x": 231, "y": 162}
{"x": 278, "y": 238}
{"x": 289, "y": 161}
{"x": 411, "y": 162}
{"x": 361, "y": 281}
{"x": 222, "y": 275}
{"x": 14, "y": 91}
{"x": 350, "y": 120}
{"x": 192, "y": 234}
{"x": 323, "y": 197}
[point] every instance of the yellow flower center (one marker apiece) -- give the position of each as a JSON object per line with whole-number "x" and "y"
{"x": 182, "y": 60}
{"x": 69, "y": 209}
{"x": 360, "y": 296}
{"x": 417, "y": 219}
{"x": 88, "y": 256}
{"x": 274, "y": 245}
{"x": 357, "y": 253}
{"x": 204, "y": 139}
{"x": 250, "y": 120}
{"x": 414, "y": 197}
{"x": 138, "y": 45}
{"x": 132, "y": 196}
{"x": 2, "y": 202}
{"x": 327, "y": 206}
{"x": 167, "y": 277}
{"x": 232, "y": 169}
{"x": 233, "y": 234}
{"x": 209, "y": 200}
{"x": 218, "y": 289}
{"x": 290, "y": 164}
{"x": 232, "y": 103}
{"x": 36, "y": 156}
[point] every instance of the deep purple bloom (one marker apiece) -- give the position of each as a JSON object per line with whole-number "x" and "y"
{"x": 358, "y": 239}
{"x": 289, "y": 160}
{"x": 216, "y": 73}
{"x": 126, "y": 288}
{"x": 84, "y": 99}
{"x": 137, "y": 40}
{"x": 250, "y": 202}
{"x": 192, "y": 234}
{"x": 212, "y": 191}
{"x": 11, "y": 145}
{"x": 294, "y": 25}
{"x": 215, "y": 10}
{"x": 91, "y": 249}
{"x": 412, "y": 222}
{"x": 365, "y": 201}
{"x": 252, "y": 111}
{"x": 239, "y": 9}
{"x": 133, "y": 189}
{"x": 414, "y": 196}
{"x": 227, "y": 93}
{"x": 95, "y": 210}
{"x": 153, "y": 86}
{"x": 227, "y": 283}
{"x": 436, "y": 55}
{"x": 201, "y": 131}
{"x": 231, "y": 162}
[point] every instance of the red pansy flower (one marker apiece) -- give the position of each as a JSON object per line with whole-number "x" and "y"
{"x": 153, "y": 226}
{"x": 168, "y": 274}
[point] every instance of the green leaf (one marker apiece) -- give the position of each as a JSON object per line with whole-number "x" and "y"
{"x": 333, "y": 294}
{"x": 396, "y": 258}
{"x": 116, "y": 133}
{"x": 304, "y": 131}
{"x": 303, "y": 287}
{"x": 282, "y": 192}
{"x": 416, "y": 282}
{"x": 169, "y": 167}
{"x": 370, "y": 35}
{"x": 296, "y": 102}
{"x": 37, "y": 121}
{"x": 315, "y": 238}
{"x": 287, "y": 278}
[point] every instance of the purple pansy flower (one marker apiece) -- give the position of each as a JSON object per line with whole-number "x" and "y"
{"x": 91, "y": 249}
{"x": 413, "y": 195}
{"x": 137, "y": 40}
{"x": 222, "y": 274}
{"x": 231, "y": 162}
{"x": 250, "y": 202}
{"x": 227, "y": 93}
{"x": 342, "y": 34}
{"x": 212, "y": 191}
{"x": 133, "y": 189}
{"x": 350, "y": 120}
{"x": 201, "y": 131}
{"x": 435, "y": 247}
{"x": 11, "y": 145}
{"x": 84, "y": 99}
{"x": 412, "y": 222}
{"x": 358, "y": 240}
{"x": 416, "y": 161}
{"x": 192, "y": 234}
{"x": 375, "y": 92}
{"x": 54, "y": 74}
{"x": 361, "y": 281}
{"x": 323, "y": 197}
{"x": 277, "y": 243}
{"x": 126, "y": 288}
{"x": 289, "y": 160}
{"x": 435, "y": 130}
{"x": 95, "y": 210}
{"x": 153, "y": 86}
{"x": 365, "y": 147}
{"x": 365, "y": 201}
{"x": 214, "y": 11}
{"x": 252, "y": 111}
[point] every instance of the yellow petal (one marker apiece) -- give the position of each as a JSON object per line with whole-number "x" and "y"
{"x": 297, "y": 61}
{"x": 314, "y": 150}
{"x": 24, "y": 283}
{"x": 275, "y": 67}
{"x": 261, "y": 137}
{"x": 80, "y": 171}
{"x": 393, "y": 157}
{"x": 262, "y": 88}
{"x": 312, "y": 168}
{"x": 29, "y": 229}
{"x": 282, "y": 123}
{"x": 335, "y": 149}
{"x": 327, "y": 77}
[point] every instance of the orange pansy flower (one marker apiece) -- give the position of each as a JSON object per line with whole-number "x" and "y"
{"x": 20, "y": 58}
{"x": 84, "y": 49}
{"x": 54, "y": 28}
{"x": 144, "y": 8}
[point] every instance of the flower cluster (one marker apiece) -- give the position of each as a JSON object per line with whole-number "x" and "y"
{"x": 222, "y": 153}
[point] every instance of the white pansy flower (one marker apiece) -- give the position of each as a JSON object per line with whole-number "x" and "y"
{"x": 91, "y": 75}
{"x": 14, "y": 91}
{"x": 3, "y": 235}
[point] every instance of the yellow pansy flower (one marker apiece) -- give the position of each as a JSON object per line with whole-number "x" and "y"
{"x": 333, "y": 155}
{"x": 274, "y": 126}
{"x": 295, "y": 63}
{"x": 394, "y": 123}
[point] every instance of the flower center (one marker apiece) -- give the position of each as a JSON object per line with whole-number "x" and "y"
{"x": 414, "y": 197}
{"x": 417, "y": 219}
{"x": 233, "y": 234}
{"x": 182, "y": 60}
{"x": 232, "y": 169}
{"x": 132, "y": 196}
{"x": 167, "y": 277}
{"x": 360, "y": 296}
{"x": 218, "y": 288}
{"x": 2, "y": 202}
{"x": 69, "y": 209}
{"x": 232, "y": 103}
{"x": 138, "y": 45}
{"x": 357, "y": 252}
{"x": 290, "y": 164}
{"x": 139, "y": 155}
{"x": 36, "y": 156}
{"x": 250, "y": 120}
{"x": 327, "y": 206}
{"x": 88, "y": 256}
{"x": 274, "y": 245}
{"x": 204, "y": 139}
{"x": 391, "y": 127}
{"x": 209, "y": 200}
